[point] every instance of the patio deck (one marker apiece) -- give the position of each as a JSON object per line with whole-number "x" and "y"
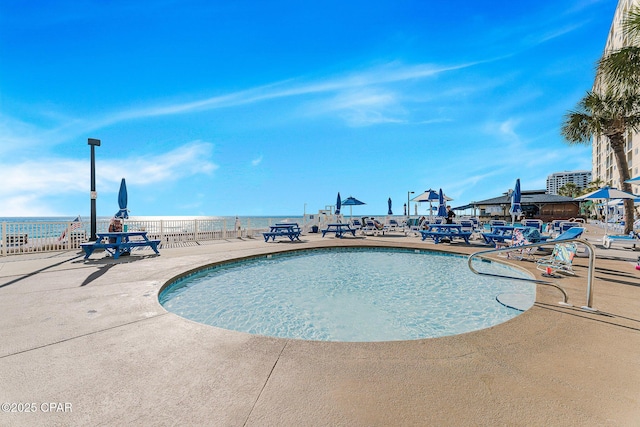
{"x": 91, "y": 335}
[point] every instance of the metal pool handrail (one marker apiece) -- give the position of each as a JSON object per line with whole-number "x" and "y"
{"x": 591, "y": 270}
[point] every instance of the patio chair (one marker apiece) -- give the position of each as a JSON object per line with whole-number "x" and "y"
{"x": 536, "y": 223}
{"x": 519, "y": 239}
{"x": 560, "y": 260}
{"x": 414, "y": 226}
{"x": 393, "y": 225}
{"x": 356, "y": 224}
{"x": 371, "y": 229}
{"x": 467, "y": 225}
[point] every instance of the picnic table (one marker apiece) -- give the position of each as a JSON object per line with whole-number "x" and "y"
{"x": 437, "y": 232}
{"x": 290, "y": 230}
{"x": 118, "y": 243}
{"x": 339, "y": 229}
{"x": 500, "y": 233}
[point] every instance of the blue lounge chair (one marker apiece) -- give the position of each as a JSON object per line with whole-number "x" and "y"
{"x": 571, "y": 233}
{"x": 536, "y": 223}
{"x": 630, "y": 239}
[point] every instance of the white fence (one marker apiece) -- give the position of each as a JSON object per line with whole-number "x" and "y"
{"x": 41, "y": 236}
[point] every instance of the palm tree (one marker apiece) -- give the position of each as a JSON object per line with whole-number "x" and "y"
{"x": 569, "y": 190}
{"x": 592, "y": 186}
{"x": 620, "y": 69}
{"x": 613, "y": 110}
{"x": 611, "y": 115}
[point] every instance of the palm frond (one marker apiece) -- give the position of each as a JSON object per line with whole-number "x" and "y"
{"x": 620, "y": 69}
{"x": 631, "y": 23}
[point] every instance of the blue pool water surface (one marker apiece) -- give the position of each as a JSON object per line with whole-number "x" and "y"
{"x": 347, "y": 294}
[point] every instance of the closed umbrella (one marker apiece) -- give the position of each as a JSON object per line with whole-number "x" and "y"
{"x": 390, "y": 212}
{"x": 122, "y": 201}
{"x": 608, "y": 194}
{"x": 442, "y": 204}
{"x": 338, "y": 204}
{"x": 515, "y": 209}
{"x": 351, "y": 202}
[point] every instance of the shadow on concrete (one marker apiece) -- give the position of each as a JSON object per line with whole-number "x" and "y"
{"x": 602, "y": 317}
{"x": 33, "y": 273}
{"x": 96, "y": 274}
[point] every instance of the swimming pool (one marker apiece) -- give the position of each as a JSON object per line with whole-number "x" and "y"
{"x": 349, "y": 294}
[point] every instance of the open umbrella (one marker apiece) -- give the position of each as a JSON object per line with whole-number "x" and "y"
{"x": 430, "y": 196}
{"x": 442, "y": 204}
{"x": 390, "y": 212}
{"x": 338, "y": 204}
{"x": 608, "y": 194}
{"x": 515, "y": 209}
{"x": 122, "y": 201}
{"x": 351, "y": 202}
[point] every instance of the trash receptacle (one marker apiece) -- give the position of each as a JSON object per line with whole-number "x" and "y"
{"x": 314, "y": 228}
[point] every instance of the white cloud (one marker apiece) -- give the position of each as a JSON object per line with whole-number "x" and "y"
{"x": 27, "y": 184}
{"x": 256, "y": 162}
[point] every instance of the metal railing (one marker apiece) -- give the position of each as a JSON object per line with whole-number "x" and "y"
{"x": 590, "y": 274}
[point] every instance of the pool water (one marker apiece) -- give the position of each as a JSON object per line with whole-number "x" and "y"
{"x": 349, "y": 295}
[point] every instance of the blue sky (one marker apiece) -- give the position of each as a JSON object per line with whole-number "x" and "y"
{"x": 260, "y": 108}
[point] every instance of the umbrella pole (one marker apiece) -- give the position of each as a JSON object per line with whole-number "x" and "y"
{"x": 606, "y": 218}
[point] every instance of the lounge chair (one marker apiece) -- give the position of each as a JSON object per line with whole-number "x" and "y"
{"x": 467, "y": 225}
{"x": 393, "y": 225}
{"x": 537, "y": 223}
{"x": 630, "y": 239}
{"x": 519, "y": 239}
{"x": 371, "y": 229}
{"x": 356, "y": 224}
{"x": 414, "y": 226}
{"x": 561, "y": 259}
{"x": 565, "y": 225}
{"x": 572, "y": 233}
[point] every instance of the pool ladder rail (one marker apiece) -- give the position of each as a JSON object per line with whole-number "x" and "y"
{"x": 565, "y": 302}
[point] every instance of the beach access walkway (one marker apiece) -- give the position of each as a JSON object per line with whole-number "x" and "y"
{"x": 85, "y": 342}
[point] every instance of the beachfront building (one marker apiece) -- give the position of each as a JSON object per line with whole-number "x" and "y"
{"x": 557, "y": 180}
{"x": 536, "y": 204}
{"x": 604, "y": 165}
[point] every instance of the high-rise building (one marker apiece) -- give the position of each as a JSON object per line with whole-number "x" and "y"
{"x": 603, "y": 162}
{"x": 557, "y": 180}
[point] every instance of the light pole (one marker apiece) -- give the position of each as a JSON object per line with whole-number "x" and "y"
{"x": 409, "y": 193}
{"x": 94, "y": 195}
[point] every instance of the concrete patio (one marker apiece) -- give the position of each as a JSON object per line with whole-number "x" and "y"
{"x": 87, "y": 343}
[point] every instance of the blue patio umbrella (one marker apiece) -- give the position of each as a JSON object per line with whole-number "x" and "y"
{"x": 351, "y": 202}
{"x": 390, "y": 212}
{"x": 515, "y": 209}
{"x": 338, "y": 204}
{"x": 608, "y": 194}
{"x": 122, "y": 201}
{"x": 442, "y": 205}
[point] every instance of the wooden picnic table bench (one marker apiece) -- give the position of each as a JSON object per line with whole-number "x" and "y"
{"x": 291, "y": 231}
{"x": 445, "y": 231}
{"x": 118, "y": 243}
{"x": 340, "y": 229}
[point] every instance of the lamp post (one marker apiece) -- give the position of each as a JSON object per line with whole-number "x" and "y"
{"x": 409, "y": 204}
{"x": 94, "y": 195}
